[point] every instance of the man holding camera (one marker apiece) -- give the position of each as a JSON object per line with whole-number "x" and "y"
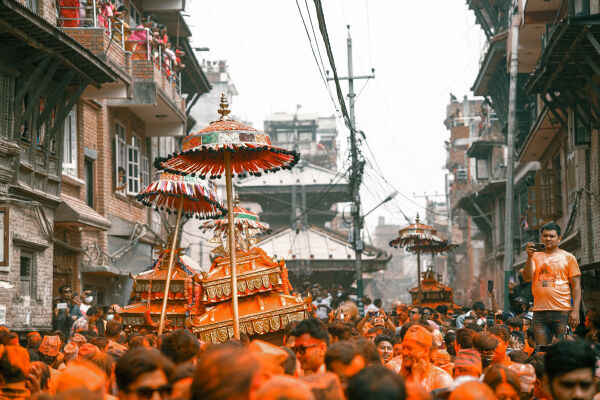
{"x": 555, "y": 279}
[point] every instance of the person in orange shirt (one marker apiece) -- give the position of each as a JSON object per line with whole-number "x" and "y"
{"x": 555, "y": 278}
{"x": 416, "y": 365}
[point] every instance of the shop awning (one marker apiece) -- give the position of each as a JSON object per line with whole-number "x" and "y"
{"x": 74, "y": 211}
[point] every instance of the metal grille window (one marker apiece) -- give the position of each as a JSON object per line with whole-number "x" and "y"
{"x": 120, "y": 158}
{"x": 133, "y": 166}
{"x": 69, "y": 165}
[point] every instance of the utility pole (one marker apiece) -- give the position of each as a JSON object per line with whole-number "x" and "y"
{"x": 510, "y": 160}
{"x": 294, "y": 214}
{"x": 356, "y": 176}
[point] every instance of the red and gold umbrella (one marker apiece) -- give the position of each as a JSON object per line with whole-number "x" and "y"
{"x": 421, "y": 239}
{"x": 186, "y": 195}
{"x": 242, "y": 219}
{"x": 226, "y": 147}
{"x": 171, "y": 191}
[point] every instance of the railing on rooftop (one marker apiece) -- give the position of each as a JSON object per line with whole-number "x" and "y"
{"x": 140, "y": 42}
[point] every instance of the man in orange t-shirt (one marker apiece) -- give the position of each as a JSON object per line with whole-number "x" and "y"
{"x": 555, "y": 280}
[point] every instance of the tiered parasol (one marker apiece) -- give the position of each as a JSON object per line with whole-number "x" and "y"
{"x": 187, "y": 195}
{"x": 226, "y": 147}
{"x": 421, "y": 239}
{"x": 242, "y": 219}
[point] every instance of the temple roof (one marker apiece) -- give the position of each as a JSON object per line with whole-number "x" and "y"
{"x": 304, "y": 172}
{"x": 315, "y": 244}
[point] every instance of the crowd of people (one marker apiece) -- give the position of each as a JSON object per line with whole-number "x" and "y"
{"x": 340, "y": 352}
{"x": 149, "y": 40}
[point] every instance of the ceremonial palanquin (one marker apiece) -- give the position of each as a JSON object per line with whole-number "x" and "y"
{"x": 202, "y": 302}
{"x": 265, "y": 304}
{"x": 147, "y": 294}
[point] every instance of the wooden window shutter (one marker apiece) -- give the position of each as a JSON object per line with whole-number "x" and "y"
{"x": 543, "y": 199}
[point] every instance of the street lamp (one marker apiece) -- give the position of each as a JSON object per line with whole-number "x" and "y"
{"x": 358, "y": 248}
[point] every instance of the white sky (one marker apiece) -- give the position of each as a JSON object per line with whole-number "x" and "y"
{"x": 421, "y": 51}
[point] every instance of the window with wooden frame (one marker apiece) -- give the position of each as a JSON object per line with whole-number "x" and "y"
{"x": 144, "y": 172}
{"x": 582, "y": 129}
{"x": 4, "y": 236}
{"x": 558, "y": 171}
{"x": 69, "y": 166}
{"x": 133, "y": 166}
{"x": 120, "y": 158}
{"x": 543, "y": 199}
{"x": 482, "y": 169}
{"x": 27, "y": 275}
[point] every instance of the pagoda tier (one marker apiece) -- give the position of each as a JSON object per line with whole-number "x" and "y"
{"x": 260, "y": 314}
{"x": 256, "y": 273}
{"x": 433, "y": 292}
{"x": 148, "y": 291}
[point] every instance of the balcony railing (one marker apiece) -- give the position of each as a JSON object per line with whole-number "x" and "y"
{"x": 140, "y": 42}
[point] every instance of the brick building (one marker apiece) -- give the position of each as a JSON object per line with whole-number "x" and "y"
{"x": 556, "y": 144}
{"x": 125, "y": 108}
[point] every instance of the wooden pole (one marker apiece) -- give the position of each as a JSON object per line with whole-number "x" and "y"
{"x": 231, "y": 240}
{"x": 161, "y": 325}
{"x": 419, "y": 278}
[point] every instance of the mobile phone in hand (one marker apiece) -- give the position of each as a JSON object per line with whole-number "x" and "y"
{"x": 490, "y": 286}
{"x": 539, "y": 247}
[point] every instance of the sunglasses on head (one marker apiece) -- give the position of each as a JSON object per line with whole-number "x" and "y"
{"x": 302, "y": 348}
{"x": 146, "y": 392}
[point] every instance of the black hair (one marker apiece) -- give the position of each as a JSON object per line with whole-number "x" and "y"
{"x": 180, "y": 346}
{"x": 501, "y": 331}
{"x": 290, "y": 327}
{"x": 551, "y": 226}
{"x": 474, "y": 326}
{"x": 341, "y": 330}
{"x": 314, "y": 327}
{"x": 224, "y": 372}
{"x": 367, "y": 301}
{"x": 93, "y": 310}
{"x": 377, "y": 303}
{"x": 442, "y": 309}
{"x": 10, "y": 369}
{"x": 376, "y": 382}
{"x": 136, "y": 362}
{"x": 518, "y": 356}
{"x": 538, "y": 360}
{"x": 485, "y": 341}
{"x": 289, "y": 365}
{"x": 566, "y": 356}
{"x": 383, "y": 338}
{"x": 478, "y": 306}
{"x": 343, "y": 352}
{"x": 100, "y": 342}
{"x": 516, "y": 323}
{"x": 113, "y": 328}
{"x": 121, "y": 9}
{"x": 369, "y": 352}
{"x": 62, "y": 288}
{"x": 464, "y": 338}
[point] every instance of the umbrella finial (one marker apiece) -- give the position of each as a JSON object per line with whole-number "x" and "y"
{"x": 224, "y": 108}
{"x": 417, "y": 219}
